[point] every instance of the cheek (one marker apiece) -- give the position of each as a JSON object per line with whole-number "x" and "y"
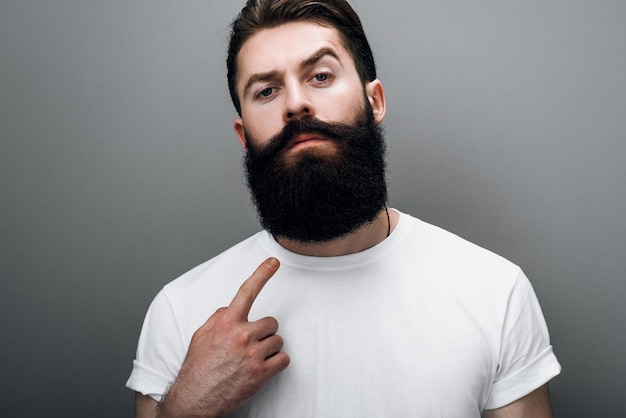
{"x": 260, "y": 128}
{"x": 344, "y": 106}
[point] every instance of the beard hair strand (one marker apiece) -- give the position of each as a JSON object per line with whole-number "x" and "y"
{"x": 313, "y": 197}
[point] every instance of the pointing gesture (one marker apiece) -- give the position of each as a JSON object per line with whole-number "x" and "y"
{"x": 229, "y": 358}
{"x": 250, "y": 289}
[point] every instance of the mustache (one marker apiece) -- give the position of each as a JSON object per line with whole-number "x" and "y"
{"x": 307, "y": 124}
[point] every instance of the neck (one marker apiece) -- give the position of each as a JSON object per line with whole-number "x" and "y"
{"x": 363, "y": 238}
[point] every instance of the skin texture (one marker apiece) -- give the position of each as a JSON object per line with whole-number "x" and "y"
{"x": 229, "y": 358}
{"x": 534, "y": 405}
{"x": 288, "y": 59}
{"x": 302, "y": 69}
{"x": 145, "y": 406}
{"x": 293, "y": 70}
{"x": 280, "y": 81}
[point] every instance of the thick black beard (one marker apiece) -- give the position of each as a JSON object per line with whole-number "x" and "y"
{"x": 319, "y": 197}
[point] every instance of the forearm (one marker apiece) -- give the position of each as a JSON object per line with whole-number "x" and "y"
{"x": 534, "y": 405}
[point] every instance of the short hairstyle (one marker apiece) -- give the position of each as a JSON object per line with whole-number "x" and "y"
{"x": 266, "y": 14}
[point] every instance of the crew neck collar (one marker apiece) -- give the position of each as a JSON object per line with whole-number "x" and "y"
{"x": 293, "y": 259}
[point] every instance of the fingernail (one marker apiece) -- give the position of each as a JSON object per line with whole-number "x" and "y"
{"x": 272, "y": 262}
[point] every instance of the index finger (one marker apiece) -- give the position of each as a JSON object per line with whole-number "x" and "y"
{"x": 250, "y": 289}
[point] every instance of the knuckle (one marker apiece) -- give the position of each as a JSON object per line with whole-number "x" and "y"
{"x": 253, "y": 354}
{"x": 258, "y": 370}
{"x": 243, "y": 337}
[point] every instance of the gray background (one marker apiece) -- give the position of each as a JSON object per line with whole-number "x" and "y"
{"x": 119, "y": 171}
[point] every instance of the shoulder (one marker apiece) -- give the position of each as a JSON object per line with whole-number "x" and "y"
{"x": 213, "y": 283}
{"x": 453, "y": 256}
{"x": 236, "y": 257}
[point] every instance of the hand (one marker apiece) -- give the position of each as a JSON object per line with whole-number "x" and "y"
{"x": 229, "y": 359}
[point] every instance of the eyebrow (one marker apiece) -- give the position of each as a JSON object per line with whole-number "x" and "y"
{"x": 313, "y": 59}
{"x": 272, "y": 75}
{"x": 259, "y": 78}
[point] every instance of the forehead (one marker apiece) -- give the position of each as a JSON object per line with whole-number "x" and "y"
{"x": 286, "y": 46}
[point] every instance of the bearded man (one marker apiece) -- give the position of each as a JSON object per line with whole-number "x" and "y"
{"x": 381, "y": 314}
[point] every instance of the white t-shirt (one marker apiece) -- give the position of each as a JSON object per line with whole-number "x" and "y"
{"x": 424, "y": 324}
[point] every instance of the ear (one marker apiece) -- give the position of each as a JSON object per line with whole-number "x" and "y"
{"x": 240, "y": 130}
{"x": 376, "y": 96}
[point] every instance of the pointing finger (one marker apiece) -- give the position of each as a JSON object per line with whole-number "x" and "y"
{"x": 250, "y": 289}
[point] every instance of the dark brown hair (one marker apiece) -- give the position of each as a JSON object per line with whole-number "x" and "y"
{"x": 265, "y": 14}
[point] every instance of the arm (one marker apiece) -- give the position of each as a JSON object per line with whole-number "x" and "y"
{"x": 228, "y": 361}
{"x": 145, "y": 406}
{"x": 534, "y": 405}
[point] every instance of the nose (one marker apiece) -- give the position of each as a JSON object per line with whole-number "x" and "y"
{"x": 297, "y": 102}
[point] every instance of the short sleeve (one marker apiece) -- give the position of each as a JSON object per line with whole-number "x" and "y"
{"x": 526, "y": 360}
{"x": 160, "y": 351}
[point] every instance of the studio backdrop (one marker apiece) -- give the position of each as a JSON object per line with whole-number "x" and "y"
{"x": 119, "y": 171}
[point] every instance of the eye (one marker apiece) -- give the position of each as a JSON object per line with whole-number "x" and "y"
{"x": 321, "y": 77}
{"x": 266, "y": 92}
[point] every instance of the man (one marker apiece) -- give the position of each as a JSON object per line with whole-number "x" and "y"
{"x": 381, "y": 315}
